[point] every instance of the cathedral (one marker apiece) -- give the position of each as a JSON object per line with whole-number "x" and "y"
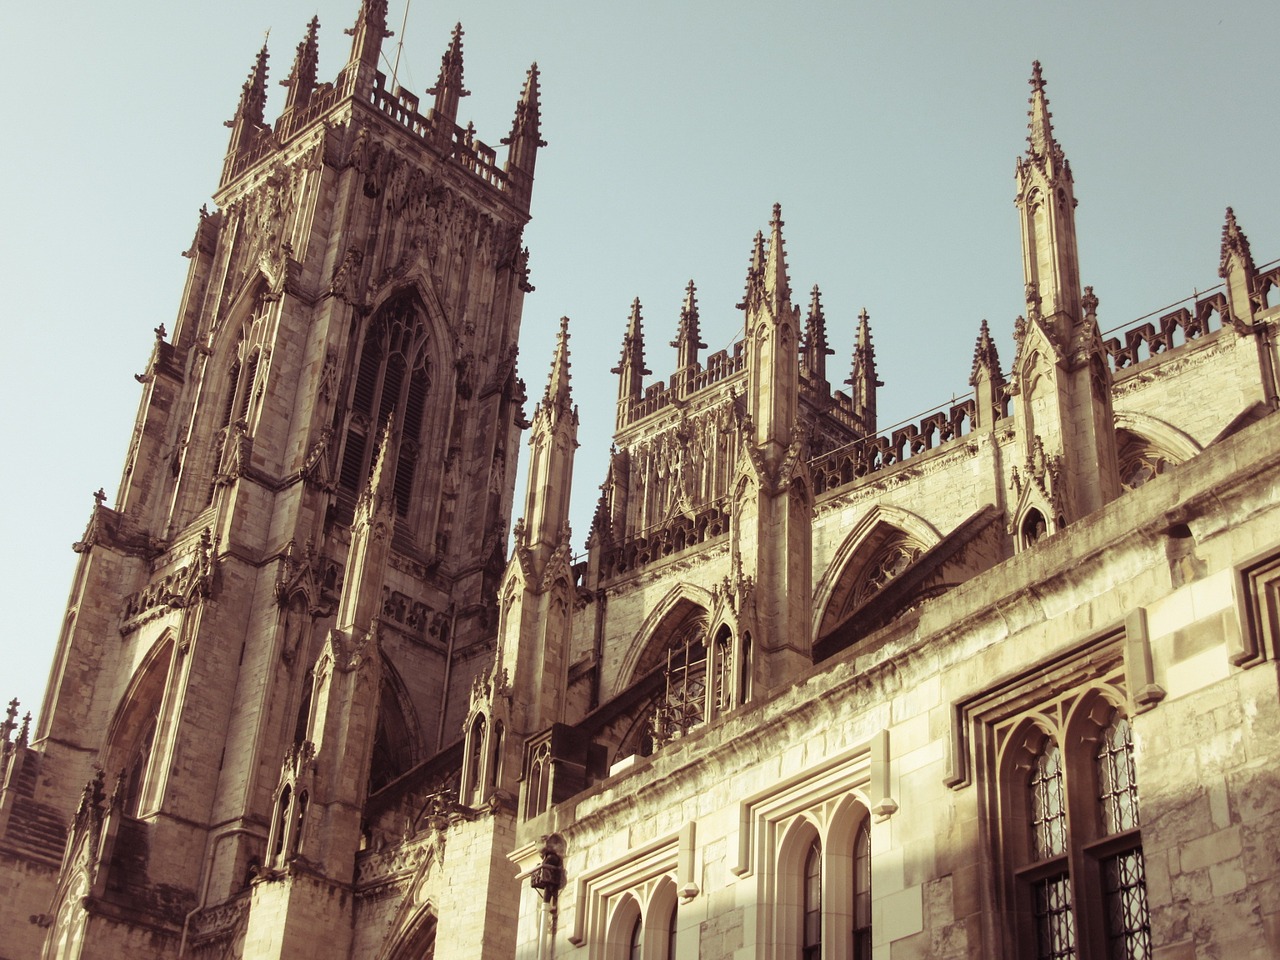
{"x": 999, "y": 683}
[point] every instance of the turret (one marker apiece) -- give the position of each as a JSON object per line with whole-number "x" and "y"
{"x": 1046, "y": 201}
{"x": 688, "y": 342}
{"x": 448, "y": 89}
{"x": 302, "y": 77}
{"x": 631, "y": 370}
{"x": 862, "y": 381}
{"x": 525, "y": 138}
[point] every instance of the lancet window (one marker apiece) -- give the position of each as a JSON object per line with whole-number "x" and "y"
{"x": 1079, "y": 795}
{"x": 391, "y": 382}
{"x": 683, "y": 703}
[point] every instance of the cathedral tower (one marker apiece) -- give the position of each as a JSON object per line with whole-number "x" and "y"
{"x": 281, "y": 612}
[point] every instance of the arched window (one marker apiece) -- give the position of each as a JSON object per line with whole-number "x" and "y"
{"x": 539, "y": 782}
{"x": 282, "y": 821}
{"x": 475, "y": 767}
{"x": 862, "y": 891}
{"x": 811, "y": 909}
{"x": 300, "y": 820}
{"x": 391, "y": 383}
{"x": 1082, "y": 879}
{"x": 671, "y": 933}
{"x": 495, "y": 756}
{"x": 744, "y": 670}
{"x": 1034, "y": 528}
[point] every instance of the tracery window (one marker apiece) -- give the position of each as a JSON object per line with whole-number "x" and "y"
{"x": 1081, "y": 801}
{"x": 1140, "y": 460}
{"x": 391, "y": 383}
{"x": 683, "y": 704}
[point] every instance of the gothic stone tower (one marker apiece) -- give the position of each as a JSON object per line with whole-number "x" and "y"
{"x": 285, "y": 607}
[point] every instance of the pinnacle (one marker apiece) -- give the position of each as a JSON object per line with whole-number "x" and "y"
{"x": 816, "y": 326}
{"x": 775, "y": 273}
{"x": 449, "y": 81}
{"x": 383, "y": 473}
{"x": 528, "y": 119}
{"x": 985, "y": 356}
{"x": 557, "y": 394}
{"x": 1234, "y": 242}
{"x": 689, "y": 334}
{"x": 632, "y": 362}
{"x": 302, "y": 78}
{"x": 1040, "y": 141}
{"x": 253, "y": 95}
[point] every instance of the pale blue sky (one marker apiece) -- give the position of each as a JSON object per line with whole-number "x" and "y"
{"x": 887, "y": 131}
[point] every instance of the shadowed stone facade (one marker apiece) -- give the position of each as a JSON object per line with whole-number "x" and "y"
{"x": 999, "y": 683}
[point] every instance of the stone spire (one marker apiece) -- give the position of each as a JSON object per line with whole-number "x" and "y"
{"x": 776, "y": 287}
{"x": 863, "y": 380}
{"x": 371, "y": 531}
{"x": 816, "y": 349}
{"x": 1046, "y": 201}
{"x": 557, "y": 397}
{"x": 552, "y": 439}
{"x": 1040, "y": 141}
{"x": 253, "y": 95}
{"x": 631, "y": 369}
{"x": 302, "y": 77}
{"x": 449, "y": 89}
{"x": 1235, "y": 245}
{"x": 688, "y": 339}
{"x": 773, "y": 332}
{"x": 1236, "y": 267}
{"x": 755, "y": 273}
{"x": 987, "y": 379}
{"x": 525, "y": 137}
{"x": 366, "y": 45}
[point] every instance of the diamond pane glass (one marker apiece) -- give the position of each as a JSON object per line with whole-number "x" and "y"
{"x": 1048, "y": 811}
{"x": 1128, "y": 923}
{"x": 1117, "y": 780}
{"x": 1055, "y": 928}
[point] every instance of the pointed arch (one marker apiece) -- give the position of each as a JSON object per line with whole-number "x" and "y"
{"x": 1146, "y": 446}
{"x": 799, "y": 843}
{"x": 879, "y": 527}
{"x": 664, "y": 618}
{"x": 136, "y": 734}
{"x": 417, "y": 939}
{"x": 397, "y": 744}
{"x": 627, "y": 915}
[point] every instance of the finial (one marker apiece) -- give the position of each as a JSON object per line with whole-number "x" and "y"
{"x": 24, "y": 734}
{"x": 99, "y": 496}
{"x": 1037, "y": 78}
{"x": 1234, "y": 244}
{"x": 160, "y": 332}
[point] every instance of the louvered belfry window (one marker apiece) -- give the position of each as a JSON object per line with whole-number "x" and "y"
{"x": 391, "y": 383}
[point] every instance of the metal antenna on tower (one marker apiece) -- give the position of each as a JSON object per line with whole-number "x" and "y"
{"x": 395, "y": 67}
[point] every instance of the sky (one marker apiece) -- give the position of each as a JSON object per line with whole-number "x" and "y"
{"x": 887, "y": 131}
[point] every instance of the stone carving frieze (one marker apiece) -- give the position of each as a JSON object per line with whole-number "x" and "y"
{"x": 187, "y": 585}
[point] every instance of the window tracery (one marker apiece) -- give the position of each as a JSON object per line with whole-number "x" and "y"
{"x": 1140, "y": 459}
{"x": 1080, "y": 796}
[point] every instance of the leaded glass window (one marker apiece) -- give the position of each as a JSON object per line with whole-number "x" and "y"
{"x": 1048, "y": 811}
{"x": 862, "y": 892}
{"x": 1055, "y": 928}
{"x": 1117, "y": 779}
{"x": 1124, "y": 879}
